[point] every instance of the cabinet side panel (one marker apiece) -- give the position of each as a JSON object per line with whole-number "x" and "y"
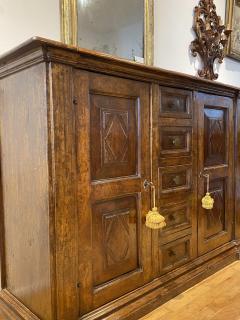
{"x": 24, "y": 162}
{"x": 237, "y": 171}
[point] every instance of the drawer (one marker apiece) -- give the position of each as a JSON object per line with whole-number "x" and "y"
{"x": 174, "y": 179}
{"x": 175, "y": 103}
{"x": 175, "y": 141}
{"x": 175, "y": 254}
{"x": 177, "y": 215}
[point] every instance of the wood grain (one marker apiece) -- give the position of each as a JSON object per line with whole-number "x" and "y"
{"x": 207, "y": 300}
{"x": 80, "y": 132}
{"x": 24, "y": 162}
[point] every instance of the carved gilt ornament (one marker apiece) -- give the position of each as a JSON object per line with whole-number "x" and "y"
{"x": 212, "y": 38}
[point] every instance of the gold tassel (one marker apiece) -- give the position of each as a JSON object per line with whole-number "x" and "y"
{"x": 154, "y": 220}
{"x": 207, "y": 200}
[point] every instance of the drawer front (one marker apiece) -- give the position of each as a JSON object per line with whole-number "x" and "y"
{"x": 175, "y": 254}
{"x": 175, "y": 141}
{"x": 175, "y": 103}
{"x": 175, "y": 179}
{"x": 178, "y": 216}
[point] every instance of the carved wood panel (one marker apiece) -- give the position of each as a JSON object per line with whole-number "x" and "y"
{"x": 115, "y": 238}
{"x": 216, "y": 146}
{"x": 215, "y": 218}
{"x": 113, "y": 136}
{"x": 215, "y": 136}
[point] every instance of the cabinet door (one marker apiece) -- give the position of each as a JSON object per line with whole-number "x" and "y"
{"x": 215, "y": 145}
{"x": 112, "y": 126}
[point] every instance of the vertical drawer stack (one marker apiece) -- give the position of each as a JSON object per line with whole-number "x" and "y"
{"x": 176, "y": 177}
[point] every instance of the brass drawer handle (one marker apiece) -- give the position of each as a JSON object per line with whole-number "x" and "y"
{"x": 174, "y": 104}
{"x": 171, "y": 217}
{"x": 176, "y": 180}
{"x": 176, "y": 141}
{"x": 171, "y": 253}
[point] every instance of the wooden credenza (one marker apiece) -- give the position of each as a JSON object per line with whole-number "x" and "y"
{"x": 80, "y": 133}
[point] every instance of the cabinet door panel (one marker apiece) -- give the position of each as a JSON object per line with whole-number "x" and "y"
{"x": 215, "y": 131}
{"x": 114, "y": 244}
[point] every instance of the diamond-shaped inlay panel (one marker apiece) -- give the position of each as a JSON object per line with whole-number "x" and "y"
{"x": 115, "y": 238}
{"x": 114, "y": 136}
{"x": 214, "y": 136}
{"x": 116, "y": 228}
{"x": 215, "y": 219}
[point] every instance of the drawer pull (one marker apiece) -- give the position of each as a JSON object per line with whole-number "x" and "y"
{"x": 171, "y": 217}
{"x": 176, "y": 142}
{"x": 175, "y": 104}
{"x": 171, "y": 253}
{"x": 176, "y": 180}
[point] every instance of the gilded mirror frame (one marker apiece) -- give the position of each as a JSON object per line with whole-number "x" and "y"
{"x": 69, "y": 26}
{"x": 231, "y": 51}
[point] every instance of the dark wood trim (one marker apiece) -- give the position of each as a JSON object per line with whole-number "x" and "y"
{"x": 157, "y": 292}
{"x": 38, "y": 49}
{"x": 144, "y": 300}
{"x": 237, "y": 170}
{"x": 13, "y": 309}
{"x": 52, "y": 187}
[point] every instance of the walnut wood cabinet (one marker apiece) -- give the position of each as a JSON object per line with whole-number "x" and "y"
{"x": 80, "y": 133}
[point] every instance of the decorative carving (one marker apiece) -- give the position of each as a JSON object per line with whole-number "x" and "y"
{"x": 116, "y": 242}
{"x": 115, "y": 136}
{"x": 215, "y": 136}
{"x": 215, "y": 217}
{"x": 212, "y": 38}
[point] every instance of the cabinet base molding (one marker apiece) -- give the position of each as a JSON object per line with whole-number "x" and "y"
{"x": 144, "y": 300}
{"x": 13, "y": 309}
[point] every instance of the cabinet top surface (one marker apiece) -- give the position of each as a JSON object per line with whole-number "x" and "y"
{"x": 39, "y": 49}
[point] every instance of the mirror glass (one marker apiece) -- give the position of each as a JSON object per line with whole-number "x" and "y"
{"x": 112, "y": 26}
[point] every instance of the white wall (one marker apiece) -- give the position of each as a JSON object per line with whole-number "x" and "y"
{"x": 23, "y": 19}
{"x": 173, "y": 35}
